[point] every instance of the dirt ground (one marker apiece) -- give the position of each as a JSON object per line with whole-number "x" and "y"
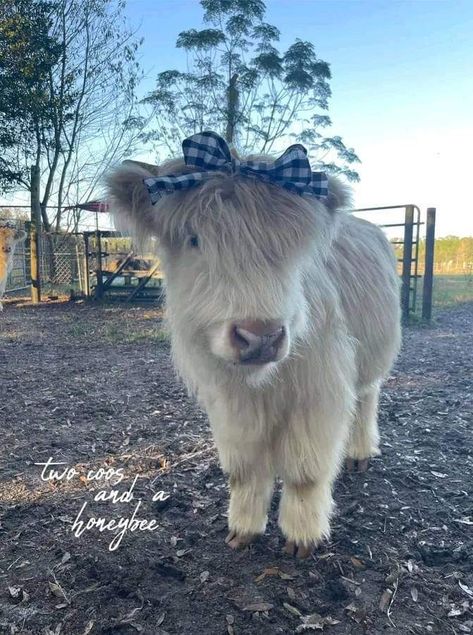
{"x": 92, "y": 387}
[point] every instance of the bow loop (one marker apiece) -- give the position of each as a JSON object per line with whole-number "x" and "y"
{"x": 208, "y": 152}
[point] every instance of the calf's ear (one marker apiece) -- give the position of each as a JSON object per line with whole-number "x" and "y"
{"x": 19, "y": 235}
{"x": 339, "y": 195}
{"x": 129, "y": 200}
{"x": 149, "y": 167}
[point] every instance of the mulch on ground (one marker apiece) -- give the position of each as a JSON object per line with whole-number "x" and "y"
{"x": 93, "y": 387}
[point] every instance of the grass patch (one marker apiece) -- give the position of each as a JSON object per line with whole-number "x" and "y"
{"x": 123, "y": 331}
{"x": 78, "y": 330}
{"x": 129, "y": 332}
{"x": 449, "y": 291}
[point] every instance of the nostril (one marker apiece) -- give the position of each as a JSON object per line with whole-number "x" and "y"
{"x": 278, "y": 336}
{"x": 238, "y": 338}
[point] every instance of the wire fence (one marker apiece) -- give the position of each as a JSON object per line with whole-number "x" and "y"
{"x": 19, "y": 277}
{"x": 62, "y": 258}
{"x": 61, "y": 263}
{"x": 64, "y": 267}
{"x": 62, "y": 255}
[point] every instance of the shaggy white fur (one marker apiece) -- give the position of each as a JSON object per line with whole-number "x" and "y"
{"x": 235, "y": 249}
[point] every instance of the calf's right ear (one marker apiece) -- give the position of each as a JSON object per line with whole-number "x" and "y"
{"x": 339, "y": 195}
{"x": 129, "y": 200}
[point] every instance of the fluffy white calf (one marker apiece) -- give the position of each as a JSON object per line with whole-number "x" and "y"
{"x": 284, "y": 318}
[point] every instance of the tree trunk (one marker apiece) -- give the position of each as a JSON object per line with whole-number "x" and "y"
{"x": 232, "y": 108}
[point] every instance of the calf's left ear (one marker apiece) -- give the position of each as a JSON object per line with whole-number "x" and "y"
{"x": 129, "y": 199}
{"x": 19, "y": 235}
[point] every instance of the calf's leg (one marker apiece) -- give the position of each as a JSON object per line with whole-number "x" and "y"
{"x": 241, "y": 438}
{"x": 309, "y": 456}
{"x": 250, "y": 495}
{"x": 304, "y": 515}
{"x": 364, "y": 434}
{"x": 3, "y": 285}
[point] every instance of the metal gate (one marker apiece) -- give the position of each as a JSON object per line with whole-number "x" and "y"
{"x": 62, "y": 258}
{"x": 407, "y": 252}
{"x": 116, "y": 271}
{"x": 61, "y": 264}
{"x": 18, "y": 278}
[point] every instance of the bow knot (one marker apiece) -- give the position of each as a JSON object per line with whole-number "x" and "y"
{"x": 208, "y": 152}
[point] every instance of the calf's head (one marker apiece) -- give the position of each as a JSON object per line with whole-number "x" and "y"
{"x": 8, "y": 239}
{"x": 236, "y": 253}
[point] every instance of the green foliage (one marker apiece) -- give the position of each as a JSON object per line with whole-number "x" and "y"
{"x": 452, "y": 255}
{"x": 27, "y": 55}
{"x": 449, "y": 290}
{"x": 240, "y": 84}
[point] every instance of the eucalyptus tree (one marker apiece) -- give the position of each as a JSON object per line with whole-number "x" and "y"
{"x": 240, "y": 84}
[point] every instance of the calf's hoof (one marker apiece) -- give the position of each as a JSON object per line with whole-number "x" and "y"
{"x": 357, "y": 465}
{"x": 239, "y": 541}
{"x": 300, "y": 551}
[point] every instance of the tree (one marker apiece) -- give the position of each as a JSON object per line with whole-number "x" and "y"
{"x": 27, "y": 55}
{"x": 238, "y": 83}
{"x": 78, "y": 114}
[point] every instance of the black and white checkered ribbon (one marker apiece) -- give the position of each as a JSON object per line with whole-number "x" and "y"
{"x": 208, "y": 152}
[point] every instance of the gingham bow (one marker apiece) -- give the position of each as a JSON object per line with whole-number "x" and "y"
{"x": 208, "y": 152}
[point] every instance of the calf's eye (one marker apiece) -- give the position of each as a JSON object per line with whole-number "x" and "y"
{"x": 193, "y": 241}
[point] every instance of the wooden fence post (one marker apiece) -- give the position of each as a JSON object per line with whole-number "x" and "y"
{"x": 86, "y": 265}
{"x": 429, "y": 265}
{"x": 35, "y": 237}
{"x": 99, "y": 274}
{"x": 407, "y": 263}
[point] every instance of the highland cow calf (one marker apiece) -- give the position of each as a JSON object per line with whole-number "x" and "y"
{"x": 284, "y": 318}
{"x": 9, "y": 237}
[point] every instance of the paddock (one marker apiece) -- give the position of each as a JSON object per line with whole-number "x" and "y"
{"x": 91, "y": 385}
{"x": 87, "y": 383}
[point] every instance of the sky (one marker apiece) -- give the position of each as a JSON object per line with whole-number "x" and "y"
{"x": 402, "y": 89}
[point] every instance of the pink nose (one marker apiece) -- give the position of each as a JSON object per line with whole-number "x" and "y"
{"x": 257, "y": 342}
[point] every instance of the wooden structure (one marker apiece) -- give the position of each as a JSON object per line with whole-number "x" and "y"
{"x": 122, "y": 279}
{"x": 34, "y": 236}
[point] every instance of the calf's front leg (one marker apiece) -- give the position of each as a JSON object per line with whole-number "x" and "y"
{"x": 244, "y": 455}
{"x": 304, "y": 515}
{"x": 250, "y": 495}
{"x": 310, "y": 452}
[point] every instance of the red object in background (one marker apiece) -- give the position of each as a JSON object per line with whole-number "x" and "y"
{"x": 94, "y": 206}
